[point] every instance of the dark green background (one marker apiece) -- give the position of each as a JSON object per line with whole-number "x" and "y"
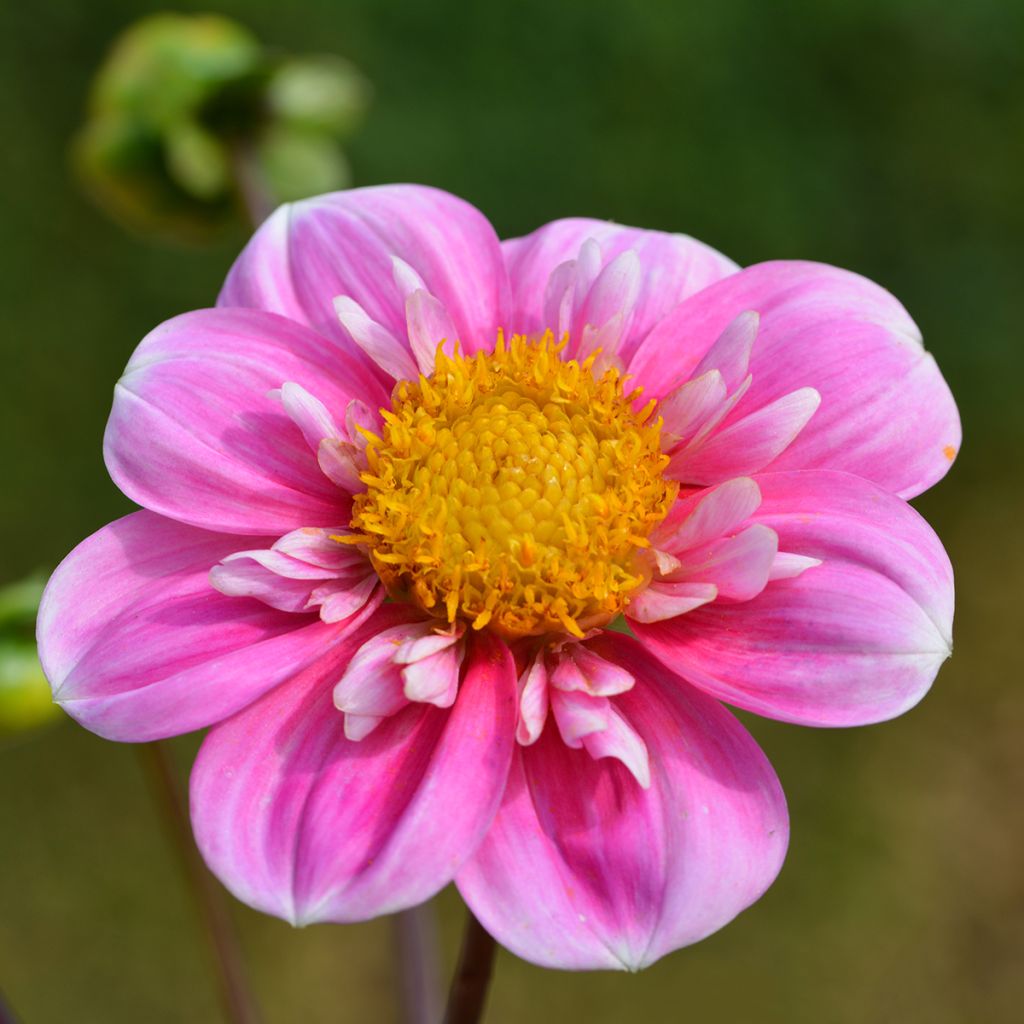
{"x": 887, "y": 137}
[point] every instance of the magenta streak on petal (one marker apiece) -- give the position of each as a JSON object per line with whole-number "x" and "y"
{"x": 344, "y": 244}
{"x": 858, "y": 638}
{"x": 300, "y": 822}
{"x": 585, "y": 869}
{"x": 137, "y": 644}
{"x": 886, "y": 412}
{"x": 193, "y": 435}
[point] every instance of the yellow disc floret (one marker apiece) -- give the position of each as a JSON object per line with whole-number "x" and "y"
{"x": 513, "y": 490}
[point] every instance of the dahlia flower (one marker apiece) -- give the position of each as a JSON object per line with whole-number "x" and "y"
{"x": 397, "y": 487}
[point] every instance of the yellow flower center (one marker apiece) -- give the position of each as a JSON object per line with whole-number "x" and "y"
{"x": 513, "y": 490}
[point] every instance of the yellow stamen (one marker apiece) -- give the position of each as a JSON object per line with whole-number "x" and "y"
{"x": 513, "y": 490}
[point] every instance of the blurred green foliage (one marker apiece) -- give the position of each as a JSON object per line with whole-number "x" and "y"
{"x": 887, "y": 137}
{"x": 189, "y": 116}
{"x": 25, "y": 700}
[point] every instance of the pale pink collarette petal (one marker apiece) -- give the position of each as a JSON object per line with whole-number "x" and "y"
{"x": 660, "y": 600}
{"x": 577, "y": 714}
{"x": 301, "y": 822}
{"x": 428, "y": 325}
{"x": 194, "y": 436}
{"x": 558, "y": 298}
{"x": 618, "y": 739}
{"x": 138, "y": 646}
{"x": 673, "y": 267}
{"x": 707, "y": 515}
{"x": 308, "y": 413}
{"x": 606, "y": 310}
{"x": 414, "y": 662}
{"x": 689, "y": 406}
{"x": 343, "y": 599}
{"x": 749, "y": 443}
{"x": 886, "y": 413}
{"x": 595, "y": 725}
{"x": 577, "y": 667}
{"x": 342, "y": 464}
{"x": 730, "y": 354}
{"x": 855, "y": 639}
{"x": 533, "y": 700}
{"x": 379, "y": 344}
{"x": 349, "y": 244}
{"x": 585, "y": 869}
{"x": 306, "y": 570}
{"x": 739, "y": 566}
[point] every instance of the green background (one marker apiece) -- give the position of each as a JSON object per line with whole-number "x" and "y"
{"x": 887, "y": 137}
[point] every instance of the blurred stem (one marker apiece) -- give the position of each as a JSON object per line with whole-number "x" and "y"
{"x": 415, "y": 932}
{"x": 237, "y": 1000}
{"x": 472, "y": 976}
{"x": 257, "y": 201}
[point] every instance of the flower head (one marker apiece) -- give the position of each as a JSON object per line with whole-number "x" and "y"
{"x": 516, "y": 444}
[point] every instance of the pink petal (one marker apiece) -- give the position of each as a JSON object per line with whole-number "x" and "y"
{"x": 577, "y": 667}
{"x": 245, "y": 574}
{"x": 300, "y": 822}
{"x": 339, "y": 463}
{"x": 673, "y": 267}
{"x": 739, "y": 566}
{"x": 708, "y": 515}
{"x": 533, "y": 701}
{"x": 344, "y": 243}
{"x": 193, "y": 434}
{"x": 747, "y": 445}
{"x": 371, "y": 683}
{"x": 138, "y": 645}
{"x": 886, "y": 412}
{"x": 608, "y": 306}
{"x": 379, "y": 344}
{"x": 429, "y": 325}
{"x": 691, "y": 404}
{"x": 435, "y": 678}
{"x": 787, "y": 566}
{"x": 583, "y": 868}
{"x": 407, "y": 280}
{"x": 730, "y": 354}
{"x": 620, "y": 740}
{"x": 410, "y": 662}
{"x": 344, "y": 598}
{"x": 658, "y": 600}
{"x": 425, "y": 643}
{"x": 308, "y": 413}
{"x": 578, "y": 714}
{"x": 856, "y": 639}
{"x": 318, "y": 546}
{"x": 558, "y": 296}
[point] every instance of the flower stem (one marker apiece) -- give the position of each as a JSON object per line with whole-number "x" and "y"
{"x": 472, "y": 976}
{"x": 415, "y": 932}
{"x": 257, "y": 202}
{"x": 236, "y": 998}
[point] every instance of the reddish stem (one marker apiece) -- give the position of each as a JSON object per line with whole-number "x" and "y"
{"x": 236, "y": 998}
{"x": 472, "y": 976}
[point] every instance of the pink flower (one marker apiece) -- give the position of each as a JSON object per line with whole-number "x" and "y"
{"x": 513, "y": 493}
